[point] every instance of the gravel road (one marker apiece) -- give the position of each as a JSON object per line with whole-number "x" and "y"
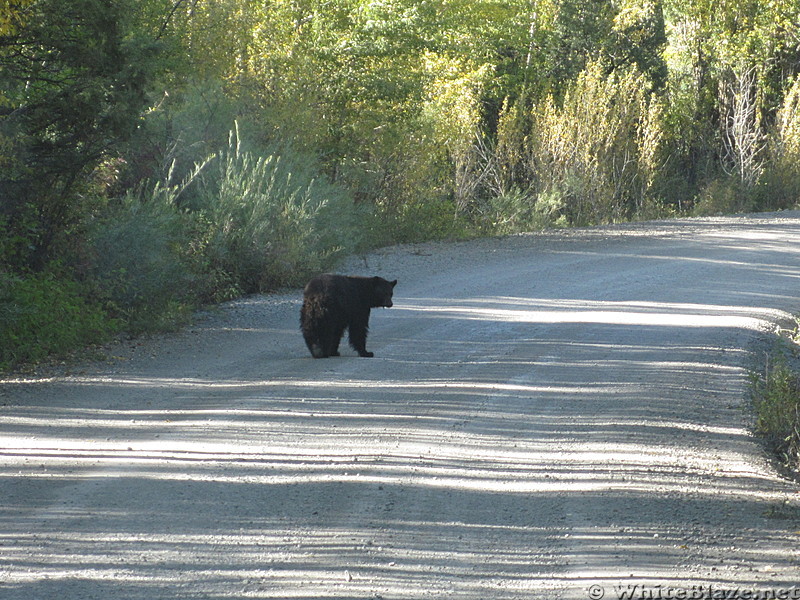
{"x": 559, "y": 415}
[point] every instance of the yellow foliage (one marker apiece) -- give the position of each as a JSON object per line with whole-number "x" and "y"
{"x": 11, "y": 15}
{"x": 453, "y": 102}
{"x": 788, "y": 125}
{"x": 597, "y": 150}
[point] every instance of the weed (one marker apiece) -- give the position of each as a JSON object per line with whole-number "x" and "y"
{"x": 776, "y": 397}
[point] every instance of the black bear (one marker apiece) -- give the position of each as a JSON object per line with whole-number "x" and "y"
{"x": 333, "y": 303}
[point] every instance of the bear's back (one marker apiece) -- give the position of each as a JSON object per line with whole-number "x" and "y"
{"x": 351, "y": 291}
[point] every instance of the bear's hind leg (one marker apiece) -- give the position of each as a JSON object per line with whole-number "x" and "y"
{"x": 315, "y": 345}
{"x": 333, "y": 339}
{"x": 316, "y": 325}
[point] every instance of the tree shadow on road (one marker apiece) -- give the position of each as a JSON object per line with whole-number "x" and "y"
{"x": 560, "y": 443}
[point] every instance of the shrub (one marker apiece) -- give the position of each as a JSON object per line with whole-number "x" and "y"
{"x": 415, "y": 222}
{"x": 139, "y": 266}
{"x": 517, "y": 211}
{"x": 597, "y": 150}
{"x": 724, "y": 197}
{"x": 269, "y": 221}
{"x": 780, "y": 184}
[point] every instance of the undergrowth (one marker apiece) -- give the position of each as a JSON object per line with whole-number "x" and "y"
{"x": 269, "y": 220}
{"x": 776, "y": 399}
{"x": 45, "y": 315}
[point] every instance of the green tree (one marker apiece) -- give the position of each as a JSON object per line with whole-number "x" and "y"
{"x": 731, "y": 64}
{"x": 638, "y": 37}
{"x": 75, "y": 78}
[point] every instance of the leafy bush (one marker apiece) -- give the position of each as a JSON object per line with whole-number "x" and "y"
{"x": 415, "y": 222}
{"x": 780, "y": 184}
{"x": 724, "y": 197}
{"x": 45, "y": 314}
{"x": 517, "y": 211}
{"x": 597, "y": 151}
{"x": 139, "y": 266}
{"x": 269, "y": 221}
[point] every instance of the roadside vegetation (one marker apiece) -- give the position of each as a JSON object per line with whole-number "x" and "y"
{"x": 156, "y": 155}
{"x": 776, "y": 399}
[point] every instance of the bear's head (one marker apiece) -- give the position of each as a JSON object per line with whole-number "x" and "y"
{"x": 382, "y": 291}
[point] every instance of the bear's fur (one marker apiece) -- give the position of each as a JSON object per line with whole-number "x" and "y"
{"x": 333, "y": 303}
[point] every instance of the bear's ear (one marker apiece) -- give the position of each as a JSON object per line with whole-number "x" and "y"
{"x": 394, "y": 283}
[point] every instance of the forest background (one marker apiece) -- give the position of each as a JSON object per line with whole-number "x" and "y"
{"x": 156, "y": 155}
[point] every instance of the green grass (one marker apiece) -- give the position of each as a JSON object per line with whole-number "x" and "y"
{"x": 45, "y": 315}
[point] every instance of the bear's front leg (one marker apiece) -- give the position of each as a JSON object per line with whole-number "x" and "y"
{"x": 358, "y": 335}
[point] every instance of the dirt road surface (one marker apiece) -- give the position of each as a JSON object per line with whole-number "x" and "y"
{"x": 561, "y": 415}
